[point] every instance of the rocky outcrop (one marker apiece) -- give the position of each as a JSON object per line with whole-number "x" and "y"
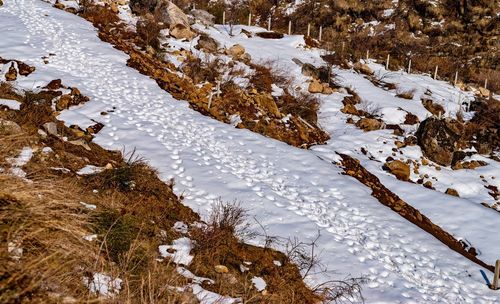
{"x": 440, "y": 139}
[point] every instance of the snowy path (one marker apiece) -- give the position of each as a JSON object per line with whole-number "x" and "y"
{"x": 291, "y": 191}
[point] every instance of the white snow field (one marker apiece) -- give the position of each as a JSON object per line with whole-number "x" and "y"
{"x": 292, "y": 192}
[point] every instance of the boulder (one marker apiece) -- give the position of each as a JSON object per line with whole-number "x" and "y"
{"x": 451, "y": 191}
{"x": 11, "y": 74}
{"x": 321, "y": 73}
{"x": 207, "y": 44}
{"x": 349, "y": 109}
{"x": 484, "y": 92}
{"x": 236, "y": 51}
{"x": 440, "y": 139}
{"x": 50, "y": 128}
{"x": 398, "y": 169}
{"x": 315, "y": 87}
{"x": 411, "y": 119}
{"x": 270, "y": 35}
{"x": 267, "y": 103}
{"x": 8, "y": 127}
{"x": 54, "y": 85}
{"x": 1, "y": 2}
{"x": 363, "y": 68}
{"x": 178, "y": 22}
{"x": 369, "y": 124}
{"x": 202, "y": 17}
{"x": 64, "y": 102}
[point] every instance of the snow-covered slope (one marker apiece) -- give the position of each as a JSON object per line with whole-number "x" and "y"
{"x": 292, "y": 192}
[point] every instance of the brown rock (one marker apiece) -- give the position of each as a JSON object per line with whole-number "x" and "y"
{"x": 11, "y": 74}
{"x": 8, "y": 127}
{"x": 221, "y": 269}
{"x": 327, "y": 90}
{"x": 363, "y": 68}
{"x": 236, "y": 51}
{"x": 398, "y": 169}
{"x": 411, "y": 119}
{"x": 369, "y": 124}
{"x": 64, "y": 102}
{"x": 180, "y": 32}
{"x": 428, "y": 184}
{"x": 315, "y": 87}
{"x": 484, "y": 92}
{"x": 24, "y": 69}
{"x": 451, "y": 191}
{"x": 267, "y": 103}
{"x": 54, "y": 84}
{"x": 207, "y": 44}
{"x": 349, "y": 109}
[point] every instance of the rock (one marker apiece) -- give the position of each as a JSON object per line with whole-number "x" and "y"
{"x": 80, "y": 142}
{"x": 174, "y": 17}
{"x": 50, "y": 128}
{"x": 439, "y": 139}
{"x": 267, "y": 103}
{"x": 113, "y": 7}
{"x": 321, "y": 73}
{"x": 349, "y": 109}
{"x": 270, "y": 35}
{"x": 451, "y": 191}
{"x": 315, "y": 87}
{"x": 428, "y": 185}
{"x": 327, "y": 90}
{"x": 1, "y": 2}
{"x": 410, "y": 140}
{"x": 369, "y": 124}
{"x": 11, "y": 74}
{"x": 203, "y": 17}
{"x": 236, "y": 51}
{"x": 434, "y": 108}
{"x": 59, "y": 5}
{"x": 54, "y": 85}
{"x": 411, "y": 119}
{"x": 362, "y": 68}
{"x": 8, "y": 127}
{"x": 207, "y": 44}
{"x": 64, "y": 102}
{"x": 399, "y": 144}
{"x": 484, "y": 92}
{"x": 221, "y": 269}
{"x": 398, "y": 169}
{"x": 182, "y": 33}
{"x": 171, "y": 15}
{"x": 24, "y": 69}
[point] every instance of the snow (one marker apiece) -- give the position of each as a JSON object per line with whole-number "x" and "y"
{"x": 208, "y": 297}
{"x": 22, "y": 159}
{"x": 181, "y": 227}
{"x": 103, "y": 285}
{"x": 88, "y": 206}
{"x": 11, "y": 104}
{"x": 259, "y": 283}
{"x": 292, "y": 192}
{"x": 181, "y": 249}
{"x": 89, "y": 169}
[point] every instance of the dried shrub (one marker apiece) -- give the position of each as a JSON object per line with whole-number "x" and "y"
{"x": 148, "y": 29}
{"x": 300, "y": 104}
{"x": 409, "y": 94}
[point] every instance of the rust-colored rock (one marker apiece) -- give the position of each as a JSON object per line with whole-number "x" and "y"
{"x": 369, "y": 124}
{"x": 11, "y": 74}
{"x": 398, "y": 169}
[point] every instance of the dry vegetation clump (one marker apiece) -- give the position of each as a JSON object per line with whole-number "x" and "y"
{"x": 405, "y": 94}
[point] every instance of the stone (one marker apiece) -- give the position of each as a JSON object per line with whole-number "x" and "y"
{"x": 207, "y": 44}
{"x": 453, "y": 192}
{"x": 440, "y": 139}
{"x": 399, "y": 144}
{"x": 54, "y": 84}
{"x": 24, "y": 69}
{"x": 411, "y": 119}
{"x": 8, "y": 127}
{"x": 327, "y": 90}
{"x": 321, "y": 73}
{"x": 428, "y": 185}
{"x": 315, "y": 87}
{"x": 11, "y": 74}
{"x": 363, "y": 68}
{"x": 221, "y": 269}
{"x": 398, "y": 169}
{"x": 80, "y": 142}
{"x": 50, "y": 128}
{"x": 484, "y": 92}
{"x": 369, "y": 124}
{"x": 349, "y": 109}
{"x": 203, "y": 17}
{"x": 267, "y": 103}
{"x": 59, "y": 5}
{"x": 64, "y": 102}
{"x": 236, "y": 51}
{"x": 182, "y": 33}
{"x": 1, "y": 2}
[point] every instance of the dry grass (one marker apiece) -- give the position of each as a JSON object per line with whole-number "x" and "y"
{"x": 409, "y": 94}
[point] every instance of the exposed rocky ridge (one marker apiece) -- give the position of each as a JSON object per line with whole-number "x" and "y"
{"x": 353, "y": 168}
